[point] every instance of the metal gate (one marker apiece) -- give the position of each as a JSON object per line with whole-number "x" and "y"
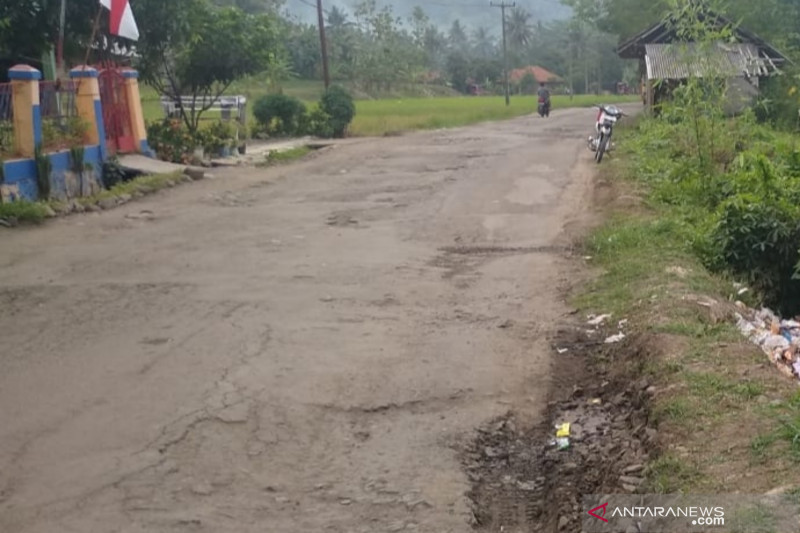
{"x": 116, "y": 117}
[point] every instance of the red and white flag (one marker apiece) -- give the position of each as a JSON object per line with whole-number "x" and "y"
{"x": 121, "y": 21}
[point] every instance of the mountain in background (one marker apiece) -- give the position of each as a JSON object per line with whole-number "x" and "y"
{"x": 472, "y": 13}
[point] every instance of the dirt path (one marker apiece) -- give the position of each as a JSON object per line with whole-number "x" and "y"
{"x": 300, "y": 349}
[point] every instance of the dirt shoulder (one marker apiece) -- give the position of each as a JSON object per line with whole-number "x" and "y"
{"x": 681, "y": 402}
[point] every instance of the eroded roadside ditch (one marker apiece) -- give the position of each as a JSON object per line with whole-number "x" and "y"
{"x": 522, "y": 481}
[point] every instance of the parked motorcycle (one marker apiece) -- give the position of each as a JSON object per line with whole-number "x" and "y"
{"x": 607, "y": 118}
{"x": 544, "y": 107}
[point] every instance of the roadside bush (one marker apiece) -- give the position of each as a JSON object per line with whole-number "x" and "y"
{"x": 338, "y": 104}
{"x": 743, "y": 206}
{"x": 216, "y": 138}
{"x": 279, "y": 114}
{"x": 171, "y": 140}
{"x": 64, "y": 133}
{"x": 113, "y": 172}
{"x": 318, "y": 123}
{"x": 758, "y": 239}
{"x": 780, "y": 100}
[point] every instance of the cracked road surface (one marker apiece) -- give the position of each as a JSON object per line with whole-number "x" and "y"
{"x": 296, "y": 349}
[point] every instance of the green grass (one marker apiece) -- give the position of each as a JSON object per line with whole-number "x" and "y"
{"x": 141, "y": 185}
{"x": 23, "y": 211}
{"x": 383, "y": 117}
{"x": 786, "y": 431}
{"x": 393, "y": 115}
{"x": 711, "y": 381}
{"x": 286, "y": 156}
{"x": 670, "y": 474}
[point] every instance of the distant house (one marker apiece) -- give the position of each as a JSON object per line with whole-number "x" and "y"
{"x": 539, "y": 74}
{"x": 665, "y": 62}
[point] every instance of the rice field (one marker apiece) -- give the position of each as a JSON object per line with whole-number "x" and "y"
{"x": 385, "y": 117}
{"x": 388, "y": 116}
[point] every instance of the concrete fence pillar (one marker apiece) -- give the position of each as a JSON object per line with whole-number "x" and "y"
{"x": 27, "y": 113}
{"x": 134, "y": 105}
{"x": 90, "y": 109}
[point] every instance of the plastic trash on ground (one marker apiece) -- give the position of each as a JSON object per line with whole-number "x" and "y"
{"x": 779, "y": 339}
{"x": 615, "y": 338}
{"x": 597, "y": 320}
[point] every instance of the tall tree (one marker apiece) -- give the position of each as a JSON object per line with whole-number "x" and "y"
{"x": 435, "y": 45}
{"x": 519, "y": 28}
{"x": 420, "y": 22}
{"x": 337, "y": 18}
{"x": 457, "y": 36}
{"x": 190, "y": 48}
{"x": 31, "y": 28}
{"x": 623, "y": 18}
{"x": 483, "y": 43}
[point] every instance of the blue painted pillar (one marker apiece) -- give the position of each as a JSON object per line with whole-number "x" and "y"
{"x": 27, "y": 113}
{"x": 90, "y": 109}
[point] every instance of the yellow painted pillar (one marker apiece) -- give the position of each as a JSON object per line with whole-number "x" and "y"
{"x": 27, "y": 114}
{"x": 134, "y": 101}
{"x": 87, "y": 101}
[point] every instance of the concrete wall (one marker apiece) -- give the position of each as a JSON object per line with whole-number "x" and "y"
{"x": 66, "y": 182}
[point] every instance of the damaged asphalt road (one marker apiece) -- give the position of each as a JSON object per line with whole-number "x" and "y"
{"x": 294, "y": 349}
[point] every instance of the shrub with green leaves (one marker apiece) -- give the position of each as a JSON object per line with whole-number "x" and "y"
{"x": 171, "y": 140}
{"x": 112, "y": 172}
{"x": 279, "y": 114}
{"x": 216, "y": 137}
{"x": 758, "y": 239}
{"x": 338, "y": 104}
{"x": 318, "y": 123}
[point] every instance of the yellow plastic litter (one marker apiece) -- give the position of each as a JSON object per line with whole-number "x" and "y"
{"x": 563, "y": 430}
{"x": 595, "y": 401}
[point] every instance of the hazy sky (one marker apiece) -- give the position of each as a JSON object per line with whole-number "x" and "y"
{"x": 471, "y": 12}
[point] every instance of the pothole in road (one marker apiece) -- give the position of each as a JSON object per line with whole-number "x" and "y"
{"x": 523, "y": 481}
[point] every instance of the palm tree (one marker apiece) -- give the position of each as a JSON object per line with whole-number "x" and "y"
{"x": 519, "y": 28}
{"x": 337, "y": 18}
{"x": 483, "y": 42}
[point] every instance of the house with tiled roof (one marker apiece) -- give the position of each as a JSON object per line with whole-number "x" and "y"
{"x": 541, "y": 75}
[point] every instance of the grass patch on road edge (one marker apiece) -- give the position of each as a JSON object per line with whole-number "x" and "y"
{"x": 23, "y": 211}
{"x": 281, "y": 157}
{"x": 727, "y": 420}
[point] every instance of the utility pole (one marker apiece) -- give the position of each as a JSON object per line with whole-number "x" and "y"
{"x": 62, "y": 21}
{"x": 323, "y": 45}
{"x": 503, "y": 6}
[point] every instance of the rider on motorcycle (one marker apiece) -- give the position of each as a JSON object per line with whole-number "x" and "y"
{"x": 544, "y": 93}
